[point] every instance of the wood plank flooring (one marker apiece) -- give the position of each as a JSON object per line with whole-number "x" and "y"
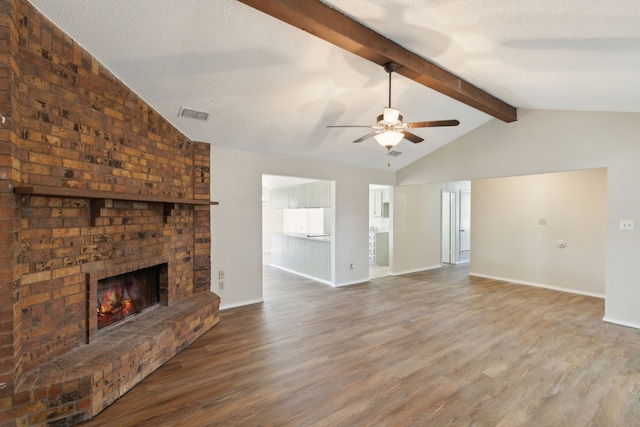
{"x": 435, "y": 348}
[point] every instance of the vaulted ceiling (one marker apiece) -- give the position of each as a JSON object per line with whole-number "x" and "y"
{"x": 272, "y": 87}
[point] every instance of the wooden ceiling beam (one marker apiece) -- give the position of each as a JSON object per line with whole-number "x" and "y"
{"x": 338, "y": 29}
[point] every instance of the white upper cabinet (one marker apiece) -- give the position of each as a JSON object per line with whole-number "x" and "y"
{"x": 297, "y": 197}
{"x": 385, "y": 195}
{"x": 379, "y": 203}
{"x": 318, "y": 194}
{"x": 279, "y": 198}
{"x": 312, "y": 195}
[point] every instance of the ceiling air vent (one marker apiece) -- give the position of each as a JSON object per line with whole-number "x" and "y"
{"x": 190, "y": 113}
{"x": 394, "y": 153}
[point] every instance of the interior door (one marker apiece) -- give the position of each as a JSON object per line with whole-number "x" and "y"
{"x": 465, "y": 226}
{"x": 448, "y": 243}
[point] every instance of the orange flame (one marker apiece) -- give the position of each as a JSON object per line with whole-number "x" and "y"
{"x": 114, "y": 302}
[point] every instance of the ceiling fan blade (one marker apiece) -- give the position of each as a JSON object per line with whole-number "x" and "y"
{"x": 412, "y": 137}
{"x": 367, "y": 136}
{"x": 433, "y": 124}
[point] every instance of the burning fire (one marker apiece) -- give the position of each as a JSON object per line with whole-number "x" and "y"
{"x": 114, "y": 302}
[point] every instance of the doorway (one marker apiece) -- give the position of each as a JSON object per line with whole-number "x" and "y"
{"x": 456, "y": 222}
{"x": 379, "y": 225}
{"x": 298, "y": 219}
{"x": 464, "y": 252}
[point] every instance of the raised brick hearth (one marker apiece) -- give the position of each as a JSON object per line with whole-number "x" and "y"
{"x": 80, "y": 384}
{"x": 93, "y": 183}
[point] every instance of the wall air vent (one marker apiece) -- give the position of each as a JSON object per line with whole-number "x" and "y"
{"x": 393, "y": 153}
{"x": 190, "y": 113}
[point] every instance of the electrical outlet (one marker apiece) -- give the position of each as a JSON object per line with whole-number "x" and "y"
{"x": 221, "y": 274}
{"x": 627, "y": 224}
{"x": 221, "y": 284}
{"x": 542, "y": 221}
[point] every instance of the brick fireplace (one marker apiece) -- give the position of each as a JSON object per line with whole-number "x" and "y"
{"x": 93, "y": 184}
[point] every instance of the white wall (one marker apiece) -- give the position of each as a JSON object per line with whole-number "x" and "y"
{"x": 457, "y": 186}
{"x": 553, "y": 141}
{"x": 236, "y": 240}
{"x": 415, "y": 243}
{"x": 417, "y": 229}
{"x": 509, "y": 242}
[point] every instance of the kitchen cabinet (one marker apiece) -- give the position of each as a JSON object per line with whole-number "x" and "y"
{"x": 379, "y": 203}
{"x": 307, "y": 256}
{"x": 378, "y": 248}
{"x": 312, "y": 195}
{"x": 297, "y": 197}
{"x": 318, "y": 194}
{"x": 279, "y": 198}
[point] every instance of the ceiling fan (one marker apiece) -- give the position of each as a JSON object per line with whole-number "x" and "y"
{"x": 389, "y": 127}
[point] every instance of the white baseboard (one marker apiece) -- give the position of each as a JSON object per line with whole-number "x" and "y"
{"x": 357, "y": 282}
{"x": 326, "y": 282}
{"x": 399, "y": 273}
{"x": 240, "y": 304}
{"x": 621, "y": 322}
{"x": 539, "y": 285}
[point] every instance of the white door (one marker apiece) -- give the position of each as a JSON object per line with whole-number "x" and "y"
{"x": 465, "y": 226}
{"x": 448, "y": 226}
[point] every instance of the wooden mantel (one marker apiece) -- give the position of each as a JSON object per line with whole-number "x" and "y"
{"x": 41, "y": 190}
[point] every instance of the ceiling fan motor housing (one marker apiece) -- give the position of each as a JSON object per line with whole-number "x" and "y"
{"x": 391, "y": 116}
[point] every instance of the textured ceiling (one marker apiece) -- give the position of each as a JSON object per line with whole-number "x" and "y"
{"x": 273, "y": 88}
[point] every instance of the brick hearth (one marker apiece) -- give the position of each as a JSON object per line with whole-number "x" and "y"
{"x": 106, "y": 186}
{"x": 80, "y": 384}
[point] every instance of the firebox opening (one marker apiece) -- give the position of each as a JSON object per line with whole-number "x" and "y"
{"x": 127, "y": 294}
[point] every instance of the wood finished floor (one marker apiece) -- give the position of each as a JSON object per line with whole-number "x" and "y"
{"x": 435, "y": 348}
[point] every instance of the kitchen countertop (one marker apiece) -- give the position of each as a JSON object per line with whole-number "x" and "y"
{"x": 315, "y": 237}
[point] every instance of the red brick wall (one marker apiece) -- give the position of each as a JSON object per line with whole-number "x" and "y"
{"x": 75, "y": 125}
{"x": 10, "y": 337}
{"x": 202, "y": 216}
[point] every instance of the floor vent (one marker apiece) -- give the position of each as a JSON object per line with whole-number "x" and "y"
{"x": 190, "y": 113}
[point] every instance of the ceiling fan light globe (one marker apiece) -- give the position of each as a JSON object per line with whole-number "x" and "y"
{"x": 391, "y": 115}
{"x": 389, "y": 138}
